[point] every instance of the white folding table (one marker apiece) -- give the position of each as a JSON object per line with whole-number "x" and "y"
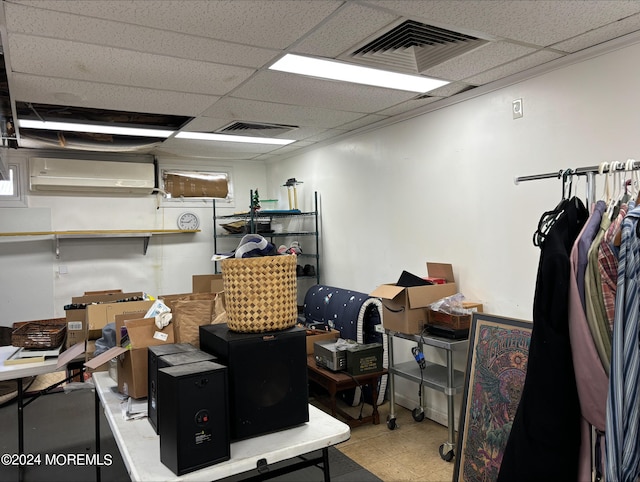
{"x": 24, "y": 370}
{"x": 139, "y": 445}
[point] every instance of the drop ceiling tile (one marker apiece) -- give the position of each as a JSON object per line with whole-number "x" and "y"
{"x": 362, "y": 121}
{"x": 554, "y": 20}
{"x": 514, "y": 67}
{"x": 70, "y": 60}
{"x": 45, "y": 90}
{"x": 352, "y": 25}
{"x": 210, "y": 124}
{"x": 313, "y": 92}
{"x": 206, "y": 124}
{"x": 599, "y": 35}
{"x": 273, "y": 24}
{"x": 410, "y": 105}
{"x": 483, "y": 58}
{"x": 304, "y": 133}
{"x": 217, "y": 149}
{"x": 328, "y": 134}
{"x": 450, "y": 89}
{"x": 43, "y": 23}
{"x": 271, "y": 112}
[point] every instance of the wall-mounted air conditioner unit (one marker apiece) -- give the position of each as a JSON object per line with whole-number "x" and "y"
{"x": 48, "y": 174}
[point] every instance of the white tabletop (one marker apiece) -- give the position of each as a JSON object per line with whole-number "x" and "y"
{"x": 22, "y": 370}
{"x": 140, "y": 446}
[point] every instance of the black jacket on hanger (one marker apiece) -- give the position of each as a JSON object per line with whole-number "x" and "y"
{"x": 544, "y": 440}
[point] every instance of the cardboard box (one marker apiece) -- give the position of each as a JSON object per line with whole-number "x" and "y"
{"x": 76, "y": 313}
{"x": 89, "y": 354}
{"x": 473, "y": 306}
{"x": 454, "y": 321}
{"x": 207, "y": 283}
{"x": 320, "y": 335}
{"x": 102, "y": 292}
{"x": 405, "y": 309}
{"x": 133, "y": 366}
{"x": 98, "y": 316}
{"x": 132, "y": 362}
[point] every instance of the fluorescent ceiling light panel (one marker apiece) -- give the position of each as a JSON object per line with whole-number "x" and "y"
{"x": 98, "y": 129}
{"x": 204, "y": 136}
{"x": 331, "y": 69}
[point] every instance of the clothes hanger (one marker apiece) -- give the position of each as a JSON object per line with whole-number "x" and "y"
{"x": 629, "y": 167}
{"x": 549, "y": 218}
{"x": 611, "y": 179}
{"x": 636, "y": 176}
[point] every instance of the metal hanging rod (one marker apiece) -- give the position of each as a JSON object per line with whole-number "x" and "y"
{"x": 579, "y": 171}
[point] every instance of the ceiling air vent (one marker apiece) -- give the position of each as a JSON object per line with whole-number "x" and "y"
{"x": 415, "y": 47}
{"x": 255, "y": 129}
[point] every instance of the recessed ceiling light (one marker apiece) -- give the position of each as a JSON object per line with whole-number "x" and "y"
{"x": 205, "y": 136}
{"x": 331, "y": 69}
{"x": 94, "y": 128}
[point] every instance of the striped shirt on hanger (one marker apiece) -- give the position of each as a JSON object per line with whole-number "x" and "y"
{"x": 623, "y": 402}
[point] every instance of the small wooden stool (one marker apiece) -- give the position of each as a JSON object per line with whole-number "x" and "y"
{"x": 335, "y": 382}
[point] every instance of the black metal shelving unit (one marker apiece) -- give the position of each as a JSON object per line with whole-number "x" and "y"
{"x": 227, "y": 242}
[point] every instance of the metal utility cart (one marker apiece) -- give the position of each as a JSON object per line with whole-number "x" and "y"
{"x": 435, "y": 376}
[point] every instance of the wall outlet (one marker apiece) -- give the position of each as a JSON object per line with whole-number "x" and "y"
{"x": 516, "y": 108}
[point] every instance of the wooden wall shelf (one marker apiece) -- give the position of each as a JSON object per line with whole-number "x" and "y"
{"x": 102, "y": 233}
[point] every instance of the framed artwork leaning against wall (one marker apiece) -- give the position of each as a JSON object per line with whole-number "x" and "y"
{"x": 496, "y": 369}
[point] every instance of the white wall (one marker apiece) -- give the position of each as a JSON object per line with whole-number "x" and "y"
{"x": 32, "y": 286}
{"x": 440, "y": 187}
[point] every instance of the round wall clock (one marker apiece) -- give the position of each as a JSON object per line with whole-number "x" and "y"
{"x": 188, "y": 221}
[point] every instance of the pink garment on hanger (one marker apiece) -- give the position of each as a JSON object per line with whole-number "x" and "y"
{"x": 591, "y": 380}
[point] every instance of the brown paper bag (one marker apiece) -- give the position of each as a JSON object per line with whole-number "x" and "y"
{"x": 219, "y": 313}
{"x": 189, "y": 312}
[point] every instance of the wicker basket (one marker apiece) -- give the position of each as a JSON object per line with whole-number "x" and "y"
{"x": 260, "y": 293}
{"x": 39, "y": 334}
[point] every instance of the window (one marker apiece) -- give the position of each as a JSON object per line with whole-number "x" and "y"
{"x": 197, "y": 184}
{"x": 11, "y": 189}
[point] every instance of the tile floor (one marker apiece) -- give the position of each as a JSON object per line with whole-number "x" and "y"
{"x": 407, "y": 453}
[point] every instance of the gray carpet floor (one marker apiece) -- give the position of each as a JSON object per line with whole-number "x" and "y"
{"x": 60, "y": 423}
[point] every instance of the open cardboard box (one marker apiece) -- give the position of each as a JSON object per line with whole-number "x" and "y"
{"x": 207, "y": 283}
{"x": 98, "y": 316}
{"x": 77, "y": 318}
{"x": 405, "y": 309}
{"x": 320, "y": 335}
{"x": 133, "y": 361}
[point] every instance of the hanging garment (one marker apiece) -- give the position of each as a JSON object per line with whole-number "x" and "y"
{"x": 585, "y": 240}
{"x": 591, "y": 380}
{"x": 608, "y": 265}
{"x": 623, "y": 403}
{"x": 544, "y": 441}
{"x": 596, "y": 313}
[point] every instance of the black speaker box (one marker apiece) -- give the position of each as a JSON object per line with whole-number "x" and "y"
{"x": 154, "y": 352}
{"x": 194, "y": 432}
{"x": 267, "y": 377}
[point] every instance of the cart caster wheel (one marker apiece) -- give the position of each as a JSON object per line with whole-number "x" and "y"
{"x": 418, "y": 414}
{"x": 391, "y": 423}
{"x": 447, "y": 457}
